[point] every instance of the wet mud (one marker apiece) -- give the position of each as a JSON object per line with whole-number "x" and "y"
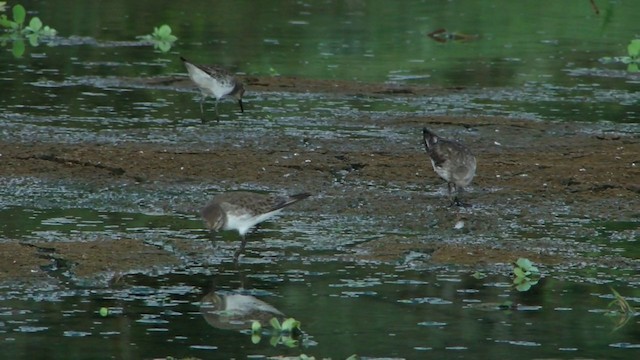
{"x": 530, "y": 175}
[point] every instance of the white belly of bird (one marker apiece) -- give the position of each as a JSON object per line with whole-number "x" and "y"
{"x": 208, "y": 84}
{"x": 244, "y": 222}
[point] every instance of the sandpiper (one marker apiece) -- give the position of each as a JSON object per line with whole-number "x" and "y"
{"x": 214, "y": 81}
{"x": 451, "y": 160}
{"x": 243, "y": 210}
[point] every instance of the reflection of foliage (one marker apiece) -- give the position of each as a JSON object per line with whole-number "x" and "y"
{"x": 632, "y": 59}
{"x": 526, "y": 275}
{"x": 624, "y": 311}
{"x": 35, "y": 31}
{"x": 162, "y": 39}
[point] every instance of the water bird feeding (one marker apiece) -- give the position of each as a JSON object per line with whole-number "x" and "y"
{"x": 452, "y": 161}
{"x": 216, "y": 82}
{"x": 241, "y": 211}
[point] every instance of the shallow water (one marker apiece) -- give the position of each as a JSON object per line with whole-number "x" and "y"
{"x": 84, "y": 89}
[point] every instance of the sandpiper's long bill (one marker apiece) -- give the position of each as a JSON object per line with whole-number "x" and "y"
{"x": 216, "y": 82}
{"x": 452, "y": 161}
{"x": 241, "y": 211}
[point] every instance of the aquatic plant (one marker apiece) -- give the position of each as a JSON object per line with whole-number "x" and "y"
{"x": 632, "y": 59}
{"x": 624, "y": 311}
{"x": 285, "y": 333}
{"x": 161, "y": 38}
{"x": 526, "y": 274}
{"x": 16, "y": 30}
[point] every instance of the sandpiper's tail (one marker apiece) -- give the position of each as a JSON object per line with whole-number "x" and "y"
{"x": 285, "y": 201}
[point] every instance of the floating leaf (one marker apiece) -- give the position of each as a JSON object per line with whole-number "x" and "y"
{"x": 4, "y": 22}
{"x": 19, "y": 14}
{"x": 255, "y": 326}
{"x": 275, "y": 323}
{"x": 48, "y": 31}
{"x": 479, "y": 275}
{"x": 290, "y": 324}
{"x": 634, "y": 48}
{"x": 518, "y": 272}
{"x": 164, "y": 31}
{"x": 104, "y": 312}
{"x": 524, "y": 263}
{"x": 35, "y": 24}
{"x": 255, "y": 338}
{"x": 633, "y": 68}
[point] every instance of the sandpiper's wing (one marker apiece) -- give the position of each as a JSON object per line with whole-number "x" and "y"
{"x": 279, "y": 202}
{"x": 211, "y": 77}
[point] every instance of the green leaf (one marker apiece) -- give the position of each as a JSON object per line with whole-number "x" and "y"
{"x": 104, "y": 312}
{"x": 275, "y": 323}
{"x": 255, "y": 326}
{"x": 18, "y": 48}
{"x": 518, "y": 272}
{"x": 524, "y": 263}
{"x": 47, "y": 31}
{"x": 290, "y": 324}
{"x": 634, "y": 48}
{"x": 5, "y": 22}
{"x": 353, "y": 357}
{"x": 35, "y": 24}
{"x": 19, "y": 14}
{"x": 164, "y": 31}
{"x": 479, "y": 275}
{"x": 255, "y": 338}
{"x": 633, "y": 68}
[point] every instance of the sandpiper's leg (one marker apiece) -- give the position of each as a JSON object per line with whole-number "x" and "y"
{"x": 217, "y": 115}
{"x": 236, "y": 255}
{"x": 453, "y": 196}
{"x": 240, "y": 103}
{"x": 202, "y": 108}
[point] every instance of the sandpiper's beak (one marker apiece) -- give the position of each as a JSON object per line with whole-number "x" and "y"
{"x": 240, "y": 103}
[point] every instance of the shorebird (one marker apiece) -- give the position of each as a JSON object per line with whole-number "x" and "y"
{"x": 214, "y": 81}
{"x": 451, "y": 160}
{"x": 243, "y": 210}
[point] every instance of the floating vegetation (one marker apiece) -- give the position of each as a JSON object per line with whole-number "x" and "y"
{"x": 16, "y": 31}
{"x": 632, "y": 59}
{"x": 161, "y": 38}
{"x": 623, "y": 312}
{"x": 526, "y": 275}
{"x": 286, "y": 333}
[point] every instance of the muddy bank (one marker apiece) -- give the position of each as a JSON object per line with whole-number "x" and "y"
{"x": 527, "y": 171}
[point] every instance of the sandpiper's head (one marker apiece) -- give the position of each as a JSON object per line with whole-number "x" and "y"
{"x": 429, "y": 138}
{"x": 213, "y": 216}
